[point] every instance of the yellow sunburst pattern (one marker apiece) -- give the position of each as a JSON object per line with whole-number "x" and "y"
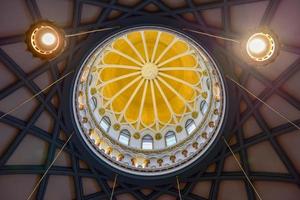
{"x": 149, "y": 79}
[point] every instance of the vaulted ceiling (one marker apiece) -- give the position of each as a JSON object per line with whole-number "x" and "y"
{"x": 267, "y": 145}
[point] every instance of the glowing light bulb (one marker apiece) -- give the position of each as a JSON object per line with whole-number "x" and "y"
{"x": 48, "y": 39}
{"x": 257, "y": 45}
{"x": 45, "y": 40}
{"x": 260, "y": 47}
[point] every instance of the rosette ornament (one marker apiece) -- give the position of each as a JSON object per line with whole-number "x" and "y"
{"x": 149, "y": 79}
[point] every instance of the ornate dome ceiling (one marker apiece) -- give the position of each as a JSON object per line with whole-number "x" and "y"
{"x": 266, "y": 145}
{"x": 149, "y": 99}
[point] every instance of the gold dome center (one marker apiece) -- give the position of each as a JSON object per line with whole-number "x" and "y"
{"x": 150, "y": 79}
{"x": 149, "y": 71}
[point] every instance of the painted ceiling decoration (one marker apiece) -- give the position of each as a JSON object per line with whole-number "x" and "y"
{"x": 154, "y": 99}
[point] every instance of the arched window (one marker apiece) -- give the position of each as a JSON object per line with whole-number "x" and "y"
{"x": 94, "y": 103}
{"x": 208, "y": 83}
{"x": 124, "y": 137}
{"x": 190, "y": 126}
{"x": 147, "y": 142}
{"x": 203, "y": 107}
{"x": 105, "y": 123}
{"x": 170, "y": 138}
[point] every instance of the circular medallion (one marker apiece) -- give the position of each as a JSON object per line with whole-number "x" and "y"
{"x": 149, "y": 101}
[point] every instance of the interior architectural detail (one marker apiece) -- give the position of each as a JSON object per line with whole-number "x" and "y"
{"x": 45, "y": 40}
{"x": 149, "y": 99}
{"x": 261, "y": 47}
{"x": 149, "y": 80}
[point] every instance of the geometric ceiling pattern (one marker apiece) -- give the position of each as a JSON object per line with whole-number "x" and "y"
{"x": 267, "y": 146}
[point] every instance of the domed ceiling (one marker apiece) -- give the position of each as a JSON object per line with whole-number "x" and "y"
{"x": 148, "y": 98}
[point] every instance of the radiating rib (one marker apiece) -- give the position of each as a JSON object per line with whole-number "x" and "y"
{"x": 142, "y": 104}
{"x": 166, "y": 100}
{"x": 104, "y": 66}
{"x": 122, "y": 90}
{"x": 154, "y": 104}
{"x": 179, "y": 68}
{"x": 145, "y": 45}
{"x": 181, "y": 81}
{"x": 175, "y": 92}
{"x": 155, "y": 46}
{"x": 175, "y": 57}
{"x": 134, "y": 49}
{"x": 131, "y": 98}
{"x": 166, "y": 49}
{"x": 119, "y": 78}
{"x": 126, "y": 56}
{"x": 177, "y": 79}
